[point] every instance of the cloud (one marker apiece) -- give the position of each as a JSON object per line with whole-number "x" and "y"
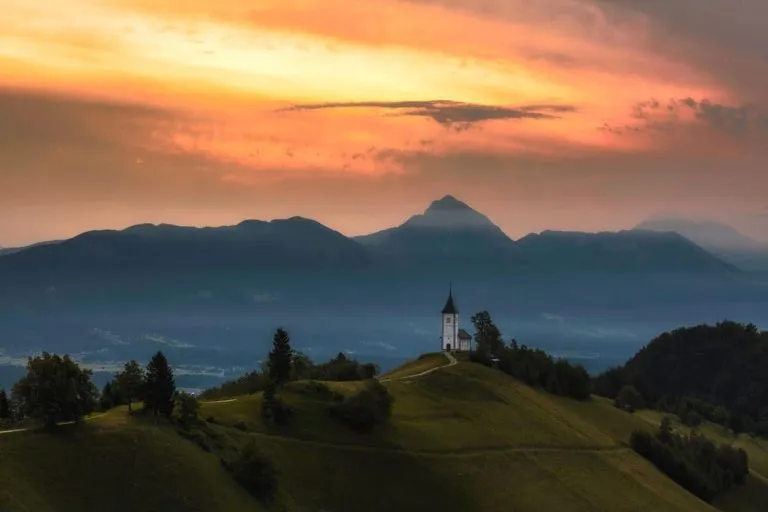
{"x": 156, "y": 338}
{"x": 379, "y": 344}
{"x": 448, "y": 113}
{"x": 730, "y": 120}
{"x": 109, "y": 336}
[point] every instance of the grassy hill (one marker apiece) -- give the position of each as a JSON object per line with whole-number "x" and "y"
{"x": 116, "y": 464}
{"x": 461, "y": 438}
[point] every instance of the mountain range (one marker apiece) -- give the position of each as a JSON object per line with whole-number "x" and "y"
{"x": 212, "y": 296}
{"x": 448, "y": 241}
{"x": 449, "y": 232}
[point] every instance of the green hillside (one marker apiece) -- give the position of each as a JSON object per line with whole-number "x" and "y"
{"x": 115, "y": 464}
{"x": 461, "y": 438}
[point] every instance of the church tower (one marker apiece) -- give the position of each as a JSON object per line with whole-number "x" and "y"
{"x": 450, "y": 324}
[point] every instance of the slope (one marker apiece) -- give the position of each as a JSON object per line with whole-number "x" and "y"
{"x": 113, "y": 463}
{"x": 461, "y": 438}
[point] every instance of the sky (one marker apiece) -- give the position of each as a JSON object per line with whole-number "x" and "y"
{"x": 543, "y": 114}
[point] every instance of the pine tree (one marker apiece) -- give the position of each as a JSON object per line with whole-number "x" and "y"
{"x": 5, "y": 406}
{"x": 160, "y": 387}
{"x": 279, "y": 362}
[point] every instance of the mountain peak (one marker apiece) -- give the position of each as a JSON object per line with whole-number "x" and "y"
{"x": 448, "y": 203}
{"x": 451, "y": 213}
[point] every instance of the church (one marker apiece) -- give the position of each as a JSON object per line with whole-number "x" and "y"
{"x": 453, "y": 338}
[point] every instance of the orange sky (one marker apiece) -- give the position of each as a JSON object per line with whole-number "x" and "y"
{"x": 357, "y": 113}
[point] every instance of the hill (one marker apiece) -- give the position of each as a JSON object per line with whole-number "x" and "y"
{"x": 461, "y": 437}
{"x": 111, "y": 463}
{"x": 723, "y": 365}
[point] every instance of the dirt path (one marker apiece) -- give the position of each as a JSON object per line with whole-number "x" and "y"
{"x": 27, "y": 429}
{"x": 459, "y": 452}
{"x": 451, "y": 362}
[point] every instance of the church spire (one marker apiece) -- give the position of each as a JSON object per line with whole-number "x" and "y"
{"x": 450, "y": 307}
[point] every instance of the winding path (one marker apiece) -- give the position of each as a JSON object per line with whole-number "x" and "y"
{"x": 451, "y": 362}
{"x": 27, "y": 429}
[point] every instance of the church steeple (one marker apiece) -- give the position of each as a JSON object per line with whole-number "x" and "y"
{"x": 450, "y": 307}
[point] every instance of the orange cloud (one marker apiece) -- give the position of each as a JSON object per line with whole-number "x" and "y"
{"x": 200, "y": 96}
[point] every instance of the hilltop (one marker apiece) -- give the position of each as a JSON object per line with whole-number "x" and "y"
{"x": 461, "y": 437}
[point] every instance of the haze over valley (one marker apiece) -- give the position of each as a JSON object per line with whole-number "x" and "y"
{"x": 210, "y": 297}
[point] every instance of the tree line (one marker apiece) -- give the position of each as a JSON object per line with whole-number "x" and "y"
{"x": 295, "y": 365}
{"x": 532, "y": 366}
{"x": 371, "y": 406}
{"x": 714, "y": 373}
{"x": 702, "y": 467}
{"x": 56, "y": 389}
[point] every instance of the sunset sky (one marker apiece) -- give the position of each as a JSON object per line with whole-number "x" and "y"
{"x": 543, "y": 114}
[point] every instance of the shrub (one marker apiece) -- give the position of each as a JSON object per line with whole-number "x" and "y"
{"x": 628, "y": 399}
{"x": 273, "y": 409}
{"x": 370, "y": 407}
{"x": 692, "y": 419}
{"x": 185, "y": 408}
{"x": 254, "y": 472}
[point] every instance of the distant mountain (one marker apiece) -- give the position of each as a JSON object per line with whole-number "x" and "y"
{"x": 718, "y": 238}
{"x": 449, "y": 232}
{"x": 634, "y": 251}
{"x": 4, "y": 251}
{"x": 153, "y": 261}
{"x": 310, "y": 265}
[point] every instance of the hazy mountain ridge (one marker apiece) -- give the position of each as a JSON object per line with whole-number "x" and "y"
{"x": 448, "y": 238}
{"x": 722, "y": 240}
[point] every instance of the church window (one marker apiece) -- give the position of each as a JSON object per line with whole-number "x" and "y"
{"x": 447, "y": 319}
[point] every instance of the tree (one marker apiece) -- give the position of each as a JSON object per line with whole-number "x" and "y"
{"x": 55, "y": 389}
{"x": 280, "y": 358}
{"x": 487, "y": 336}
{"x": 107, "y": 401}
{"x": 369, "y": 407}
{"x": 5, "y": 406}
{"x": 628, "y": 399}
{"x": 160, "y": 387}
{"x": 302, "y": 365}
{"x": 130, "y": 382}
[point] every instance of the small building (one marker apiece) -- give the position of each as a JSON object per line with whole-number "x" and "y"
{"x": 452, "y": 337}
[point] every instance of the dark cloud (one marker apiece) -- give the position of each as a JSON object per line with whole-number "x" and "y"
{"x": 734, "y": 121}
{"x": 726, "y": 39}
{"x": 457, "y": 115}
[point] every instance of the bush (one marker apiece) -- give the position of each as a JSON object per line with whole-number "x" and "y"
{"x": 370, "y": 407}
{"x": 692, "y": 419}
{"x": 254, "y": 472}
{"x": 628, "y": 399}
{"x": 185, "y": 409}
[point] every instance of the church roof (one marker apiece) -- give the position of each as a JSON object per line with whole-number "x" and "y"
{"x": 450, "y": 307}
{"x": 464, "y": 335}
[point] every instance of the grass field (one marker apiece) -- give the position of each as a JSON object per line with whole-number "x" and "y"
{"x": 462, "y": 438}
{"x": 116, "y": 464}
